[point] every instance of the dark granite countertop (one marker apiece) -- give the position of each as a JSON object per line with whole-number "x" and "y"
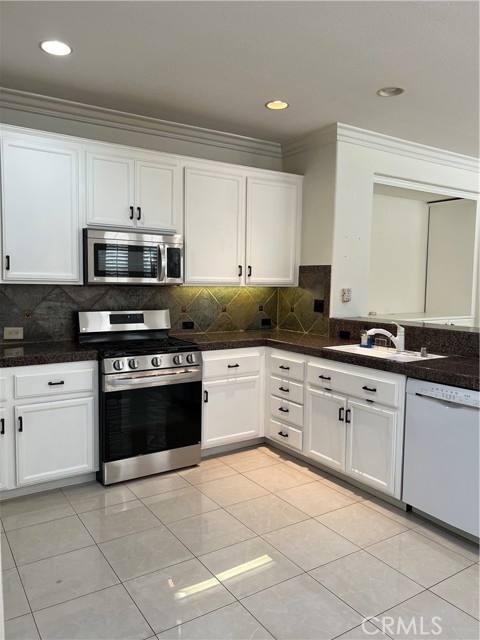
{"x": 21, "y": 355}
{"x": 458, "y": 371}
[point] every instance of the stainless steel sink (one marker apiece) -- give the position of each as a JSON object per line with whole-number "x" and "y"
{"x": 385, "y": 353}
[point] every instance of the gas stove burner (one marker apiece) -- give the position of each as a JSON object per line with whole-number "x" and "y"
{"x": 136, "y": 341}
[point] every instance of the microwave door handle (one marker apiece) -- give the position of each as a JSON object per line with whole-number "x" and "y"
{"x": 162, "y": 260}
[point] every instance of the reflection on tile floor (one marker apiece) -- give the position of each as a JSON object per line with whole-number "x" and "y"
{"x": 251, "y": 544}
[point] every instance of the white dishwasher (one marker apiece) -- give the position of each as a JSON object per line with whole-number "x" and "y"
{"x": 441, "y": 456}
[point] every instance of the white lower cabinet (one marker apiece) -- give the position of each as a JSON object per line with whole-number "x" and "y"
{"x": 49, "y": 423}
{"x": 362, "y": 438}
{"x": 232, "y": 396}
{"x": 54, "y": 440}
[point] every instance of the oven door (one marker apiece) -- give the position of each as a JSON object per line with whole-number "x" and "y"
{"x": 150, "y": 422}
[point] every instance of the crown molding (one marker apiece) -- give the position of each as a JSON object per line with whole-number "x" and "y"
{"x": 339, "y": 132}
{"x": 382, "y": 142}
{"x": 84, "y": 113}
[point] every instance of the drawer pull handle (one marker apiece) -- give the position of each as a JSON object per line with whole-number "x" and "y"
{"x": 20, "y": 423}
{"x": 347, "y": 416}
{"x": 7, "y": 263}
{"x": 341, "y": 414}
{"x": 324, "y": 377}
{"x": 205, "y": 396}
{"x": 233, "y": 366}
{"x": 369, "y": 388}
{"x": 283, "y": 410}
{"x": 55, "y": 384}
{"x": 2, "y": 422}
{"x": 284, "y": 435}
{"x": 282, "y": 367}
{"x": 283, "y": 389}
{"x": 139, "y": 213}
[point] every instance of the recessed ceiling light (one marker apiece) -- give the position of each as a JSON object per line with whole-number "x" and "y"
{"x": 389, "y": 92}
{"x": 56, "y": 48}
{"x": 276, "y": 105}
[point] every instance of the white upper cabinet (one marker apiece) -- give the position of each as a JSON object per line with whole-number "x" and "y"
{"x": 273, "y": 231}
{"x": 133, "y": 190}
{"x": 41, "y": 203}
{"x": 241, "y": 229}
{"x": 214, "y": 227}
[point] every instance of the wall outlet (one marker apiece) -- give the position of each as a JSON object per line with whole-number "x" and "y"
{"x": 346, "y": 295}
{"x": 266, "y": 322}
{"x": 187, "y": 325}
{"x": 13, "y": 333}
{"x": 318, "y": 306}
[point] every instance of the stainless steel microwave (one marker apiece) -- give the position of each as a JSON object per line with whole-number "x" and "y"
{"x": 116, "y": 257}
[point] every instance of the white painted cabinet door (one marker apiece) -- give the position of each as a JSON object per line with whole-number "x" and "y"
{"x": 371, "y": 437}
{"x": 214, "y": 227}
{"x": 156, "y": 197}
{"x": 110, "y": 190}
{"x": 54, "y": 440}
{"x": 273, "y": 231}
{"x": 325, "y": 428}
{"x": 40, "y": 201}
{"x": 231, "y": 410}
{"x": 5, "y": 449}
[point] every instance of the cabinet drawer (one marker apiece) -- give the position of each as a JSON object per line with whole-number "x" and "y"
{"x": 292, "y": 391}
{"x": 286, "y": 434}
{"x": 53, "y": 383}
{"x": 232, "y": 366}
{"x": 285, "y": 410}
{"x": 287, "y": 367}
{"x": 365, "y": 386}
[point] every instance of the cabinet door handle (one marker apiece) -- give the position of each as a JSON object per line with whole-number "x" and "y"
{"x": 20, "y": 423}
{"x": 347, "y": 416}
{"x": 205, "y": 396}
{"x": 139, "y": 212}
{"x": 54, "y": 384}
{"x": 282, "y": 367}
{"x": 240, "y": 270}
{"x": 369, "y": 388}
{"x": 2, "y": 431}
{"x": 284, "y": 435}
{"x": 249, "y": 271}
{"x": 131, "y": 213}
{"x": 7, "y": 263}
{"x": 324, "y": 377}
{"x": 233, "y": 366}
{"x": 283, "y": 410}
{"x": 341, "y": 414}
{"x": 283, "y": 389}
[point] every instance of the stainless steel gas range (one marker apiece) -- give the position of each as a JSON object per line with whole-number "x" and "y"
{"x": 150, "y": 393}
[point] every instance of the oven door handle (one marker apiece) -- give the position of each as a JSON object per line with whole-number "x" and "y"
{"x": 156, "y": 380}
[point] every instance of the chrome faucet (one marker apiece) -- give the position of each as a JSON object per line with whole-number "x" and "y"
{"x": 398, "y": 341}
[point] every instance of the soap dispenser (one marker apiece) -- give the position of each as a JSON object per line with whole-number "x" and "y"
{"x": 365, "y": 339}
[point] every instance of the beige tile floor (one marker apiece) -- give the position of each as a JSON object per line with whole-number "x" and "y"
{"x": 252, "y": 544}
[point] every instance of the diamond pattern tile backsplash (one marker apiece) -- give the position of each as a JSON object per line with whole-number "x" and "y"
{"x": 48, "y": 312}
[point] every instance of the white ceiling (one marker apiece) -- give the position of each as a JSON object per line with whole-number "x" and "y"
{"x": 215, "y": 64}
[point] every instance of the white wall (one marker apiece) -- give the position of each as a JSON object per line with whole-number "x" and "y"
{"x": 358, "y": 166}
{"x": 398, "y": 255}
{"x": 317, "y": 165}
{"x": 451, "y": 251}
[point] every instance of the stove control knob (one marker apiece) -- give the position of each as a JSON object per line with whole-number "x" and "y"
{"x": 178, "y": 359}
{"x": 133, "y": 363}
{"x": 191, "y": 358}
{"x": 156, "y": 361}
{"x": 118, "y": 365}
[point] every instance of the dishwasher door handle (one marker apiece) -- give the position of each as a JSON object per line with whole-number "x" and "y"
{"x": 446, "y": 403}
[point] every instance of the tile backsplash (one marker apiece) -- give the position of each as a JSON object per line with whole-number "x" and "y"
{"x": 48, "y": 312}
